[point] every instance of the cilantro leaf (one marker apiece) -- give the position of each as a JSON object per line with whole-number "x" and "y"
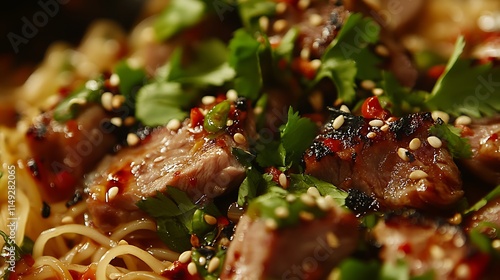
{"x": 131, "y": 79}
{"x": 487, "y": 198}
{"x": 396, "y": 271}
{"x": 244, "y": 58}
{"x": 178, "y": 15}
{"x": 353, "y": 269}
{"x": 459, "y": 147}
{"x": 250, "y": 10}
{"x": 249, "y": 188}
{"x": 466, "y": 89}
{"x": 401, "y": 99}
{"x": 297, "y": 135}
{"x": 287, "y": 44}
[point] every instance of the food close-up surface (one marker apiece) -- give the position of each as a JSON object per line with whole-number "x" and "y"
{"x": 250, "y": 139}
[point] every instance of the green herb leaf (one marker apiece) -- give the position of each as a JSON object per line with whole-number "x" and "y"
{"x": 296, "y": 136}
{"x": 466, "y": 89}
{"x": 178, "y": 15}
{"x": 353, "y": 269}
{"x": 250, "y": 187}
{"x": 487, "y": 198}
{"x": 271, "y": 154}
{"x": 397, "y": 271}
{"x": 243, "y": 157}
{"x": 285, "y": 48}
{"x": 131, "y": 79}
{"x": 251, "y": 10}
{"x": 459, "y": 147}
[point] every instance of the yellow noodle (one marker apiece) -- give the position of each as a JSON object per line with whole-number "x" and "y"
{"x": 55, "y": 264}
{"x": 126, "y": 229}
{"x": 164, "y": 254}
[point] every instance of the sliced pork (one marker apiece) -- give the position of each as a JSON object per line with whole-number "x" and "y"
{"x": 375, "y": 156}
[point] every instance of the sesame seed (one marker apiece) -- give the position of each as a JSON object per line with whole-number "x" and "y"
{"x": 368, "y": 84}
{"x": 415, "y": 143}
{"x": 417, "y": 175}
{"x": 173, "y": 124}
{"x": 496, "y": 244}
{"x": 213, "y": 264}
{"x": 239, "y": 138}
{"x": 192, "y": 268}
{"x": 132, "y": 139}
{"x": 344, "y": 108}
{"x": 329, "y": 200}
{"x": 117, "y": 101}
{"x": 312, "y": 191}
{"x": 456, "y": 219}
{"x": 290, "y": 198}
{"x": 316, "y": 100}
{"x": 303, "y": 4}
{"x": 92, "y": 85}
{"x": 305, "y": 53}
{"x": 338, "y": 122}
{"x": 402, "y": 154}
{"x": 129, "y": 121}
{"x": 463, "y": 120}
{"x": 116, "y": 121}
{"x": 283, "y": 180}
{"x": 229, "y": 122}
{"x": 185, "y": 257}
{"x": 106, "y": 100}
{"x": 306, "y": 216}
{"x": 308, "y": 200}
{"x": 384, "y": 128}
{"x": 462, "y": 271}
{"x": 202, "y": 261}
{"x": 323, "y": 203}
{"x": 258, "y": 110}
{"x": 207, "y": 100}
{"x": 332, "y": 240}
{"x": 281, "y": 7}
{"x": 371, "y": 135}
{"x": 281, "y": 212}
{"x": 315, "y": 63}
{"x": 382, "y": 50}
{"x": 67, "y": 220}
{"x": 280, "y": 25}
{"x": 122, "y": 242}
{"x": 315, "y": 20}
{"x": 437, "y": 252}
{"x": 376, "y": 123}
{"x": 211, "y": 220}
{"x": 271, "y": 224}
{"x": 434, "y": 142}
{"x": 377, "y": 91}
{"x": 440, "y": 115}
{"x": 114, "y": 80}
{"x": 113, "y": 192}
{"x": 232, "y": 95}
{"x": 264, "y": 23}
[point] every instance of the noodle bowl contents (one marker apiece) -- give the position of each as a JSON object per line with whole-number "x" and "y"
{"x": 259, "y": 139}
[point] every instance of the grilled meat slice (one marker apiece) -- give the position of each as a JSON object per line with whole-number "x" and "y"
{"x": 64, "y": 152}
{"x": 484, "y": 139}
{"x": 428, "y": 245}
{"x": 374, "y": 156}
{"x": 484, "y": 218}
{"x": 306, "y": 251}
{"x": 198, "y": 163}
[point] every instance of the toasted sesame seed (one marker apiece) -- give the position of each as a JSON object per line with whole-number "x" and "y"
{"x": 440, "y": 115}
{"x": 114, "y": 80}
{"x": 368, "y": 84}
{"x": 229, "y": 122}
{"x": 280, "y": 25}
{"x": 67, "y": 220}
{"x": 496, "y": 244}
{"x": 329, "y": 200}
{"x": 315, "y": 63}
{"x": 312, "y": 191}
{"x": 106, "y": 100}
{"x": 462, "y": 271}
{"x": 192, "y": 268}
{"x": 290, "y": 197}
{"x": 417, "y": 175}
{"x": 202, "y": 261}
{"x": 173, "y": 124}
{"x": 303, "y": 4}
{"x": 382, "y": 50}
{"x": 116, "y": 121}
{"x": 185, "y": 257}
{"x": 377, "y": 91}
{"x": 264, "y": 23}
{"x": 338, "y": 122}
{"x": 437, "y": 252}
{"x": 376, "y": 123}
{"x": 283, "y": 180}
{"x": 316, "y": 100}
{"x": 434, "y": 142}
{"x": 232, "y": 95}
{"x": 281, "y": 7}
{"x": 271, "y": 224}
{"x": 306, "y": 216}
{"x": 207, "y": 100}
{"x": 113, "y": 192}
{"x": 209, "y": 219}
{"x": 463, "y": 120}
{"x": 384, "y": 128}
{"x": 332, "y": 240}
{"x": 415, "y": 143}
{"x": 305, "y": 53}
{"x": 323, "y": 203}
{"x": 258, "y": 110}
{"x": 213, "y": 264}
{"x": 315, "y": 20}
{"x": 371, "y": 135}
{"x": 344, "y": 108}
{"x": 239, "y": 138}
{"x": 92, "y": 85}
{"x": 132, "y": 139}
{"x": 308, "y": 200}
{"x": 122, "y": 242}
{"x": 456, "y": 219}
{"x": 117, "y": 101}
{"x": 402, "y": 154}
{"x": 281, "y": 212}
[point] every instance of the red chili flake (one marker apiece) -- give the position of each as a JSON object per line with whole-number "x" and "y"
{"x": 477, "y": 265}
{"x": 179, "y": 270}
{"x": 405, "y": 248}
{"x": 197, "y": 117}
{"x": 436, "y": 71}
{"x": 466, "y": 131}
{"x": 222, "y": 221}
{"x": 304, "y": 67}
{"x": 275, "y": 172}
{"x": 64, "y": 91}
{"x": 371, "y": 109}
{"x": 333, "y": 144}
{"x": 493, "y": 137}
{"x": 192, "y": 181}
